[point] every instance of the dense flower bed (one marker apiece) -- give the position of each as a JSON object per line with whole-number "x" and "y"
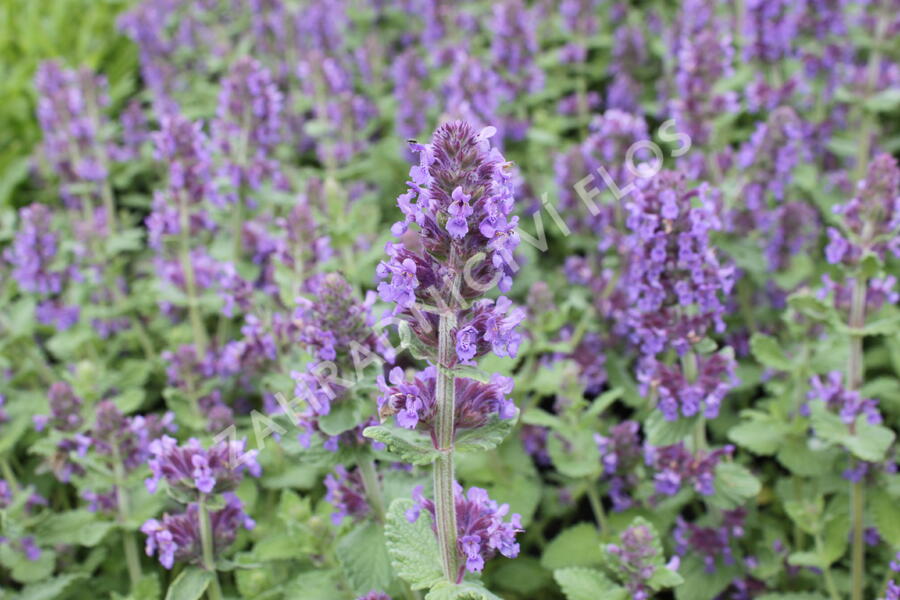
{"x": 361, "y": 300}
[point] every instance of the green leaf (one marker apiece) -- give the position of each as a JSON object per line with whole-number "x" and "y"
{"x": 836, "y": 538}
{"x": 342, "y": 417}
{"x": 811, "y": 306}
{"x": 50, "y": 588}
{"x": 798, "y": 457}
{"x": 806, "y": 513}
{"x": 769, "y": 353}
{"x": 761, "y": 436}
{"x": 487, "y": 437}
{"x": 886, "y": 100}
{"x": 76, "y": 528}
{"x": 364, "y": 558}
{"x": 147, "y": 588}
{"x": 24, "y": 570}
{"x": 409, "y": 445}
{"x": 579, "y": 583}
{"x": 883, "y": 509}
{"x": 870, "y": 442}
{"x": 734, "y": 485}
{"x": 661, "y": 432}
{"x": 701, "y": 585}
{"x": 320, "y": 584}
{"x": 190, "y": 584}
{"x": 467, "y": 590}
{"x": 792, "y": 596}
{"x": 577, "y": 546}
{"x": 412, "y": 546}
{"x": 524, "y": 575}
{"x": 575, "y": 454}
{"x": 664, "y": 577}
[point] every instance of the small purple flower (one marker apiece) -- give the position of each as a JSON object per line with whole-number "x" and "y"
{"x": 710, "y": 543}
{"x": 33, "y": 251}
{"x": 65, "y": 409}
{"x": 481, "y": 530}
{"x": 676, "y": 467}
{"x": 346, "y": 492}
{"x": 636, "y": 558}
{"x": 374, "y": 595}
{"x": 177, "y": 537}
{"x": 192, "y": 470}
{"x": 849, "y": 404}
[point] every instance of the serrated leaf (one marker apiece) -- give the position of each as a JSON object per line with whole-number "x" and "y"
{"x": 487, "y": 437}
{"x": 76, "y": 527}
{"x": 769, "y": 353}
{"x": 364, "y": 558}
{"x": 409, "y": 445}
{"x": 883, "y": 509}
{"x": 575, "y": 454}
{"x": 577, "y": 546}
{"x": 467, "y": 590}
{"x": 661, "y": 432}
{"x": 190, "y": 584}
{"x": 579, "y": 583}
{"x": 412, "y": 546}
{"x": 798, "y": 457}
{"x": 734, "y": 485}
{"x": 761, "y": 436}
{"x": 342, "y": 417}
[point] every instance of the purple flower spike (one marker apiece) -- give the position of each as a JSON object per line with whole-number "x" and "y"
{"x": 481, "y": 530}
{"x": 345, "y": 491}
{"x": 191, "y": 470}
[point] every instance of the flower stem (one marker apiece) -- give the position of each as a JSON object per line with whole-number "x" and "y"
{"x": 189, "y": 282}
{"x": 132, "y": 558}
{"x": 444, "y": 501}
{"x": 214, "y": 591}
{"x": 597, "y": 507}
{"x": 372, "y": 486}
{"x": 854, "y": 382}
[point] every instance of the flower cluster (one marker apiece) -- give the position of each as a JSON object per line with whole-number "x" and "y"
{"x": 412, "y": 403}
{"x": 849, "y": 404}
{"x": 481, "y": 530}
{"x": 679, "y": 395}
{"x": 637, "y": 557}
{"x": 177, "y": 537}
{"x": 676, "y": 467}
{"x": 620, "y": 454}
{"x": 194, "y": 471}
{"x": 345, "y": 491}
{"x": 710, "y": 543}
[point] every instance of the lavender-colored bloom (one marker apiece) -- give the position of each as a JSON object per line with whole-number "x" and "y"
{"x": 192, "y": 470}
{"x": 580, "y": 23}
{"x": 534, "y": 441}
{"x": 880, "y": 291}
{"x": 374, "y": 595}
{"x": 629, "y": 55}
{"x": 4, "y": 416}
{"x": 177, "y": 537}
{"x": 680, "y": 397}
{"x": 770, "y": 28}
{"x": 474, "y": 93}
{"x": 514, "y": 47}
{"x": 481, "y": 530}
{"x": 65, "y": 409}
{"x": 849, "y": 404}
{"x": 345, "y": 491}
{"x": 892, "y": 591}
{"x": 127, "y": 439}
{"x": 636, "y": 558}
{"x": 69, "y": 112}
{"x": 247, "y": 126}
{"x": 413, "y": 403}
{"x": 676, "y": 283}
{"x": 710, "y": 543}
{"x": 620, "y": 453}
{"x": 677, "y": 467}
{"x": 410, "y": 75}
{"x": 460, "y": 200}
{"x": 871, "y": 219}
{"x": 705, "y": 56}
{"x": 33, "y": 251}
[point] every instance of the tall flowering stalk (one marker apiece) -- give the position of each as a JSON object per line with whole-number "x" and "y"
{"x": 870, "y": 226}
{"x": 457, "y": 239}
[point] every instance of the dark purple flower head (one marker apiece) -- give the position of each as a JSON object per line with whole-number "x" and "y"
{"x": 194, "y": 471}
{"x": 675, "y": 282}
{"x": 710, "y": 543}
{"x": 580, "y": 22}
{"x": 247, "y": 126}
{"x": 127, "y": 439}
{"x": 892, "y": 591}
{"x": 177, "y": 537}
{"x": 33, "y": 251}
{"x": 481, "y": 530}
{"x": 880, "y": 291}
{"x": 413, "y": 403}
{"x": 346, "y": 492}
{"x": 849, "y": 404}
{"x": 676, "y": 467}
{"x": 871, "y": 219}
{"x": 65, "y": 409}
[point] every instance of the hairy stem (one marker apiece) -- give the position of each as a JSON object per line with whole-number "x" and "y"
{"x": 445, "y": 504}
{"x": 373, "y": 487}
{"x": 189, "y": 282}
{"x": 132, "y": 558}
{"x": 854, "y": 382}
{"x": 214, "y": 591}
{"x": 597, "y": 507}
